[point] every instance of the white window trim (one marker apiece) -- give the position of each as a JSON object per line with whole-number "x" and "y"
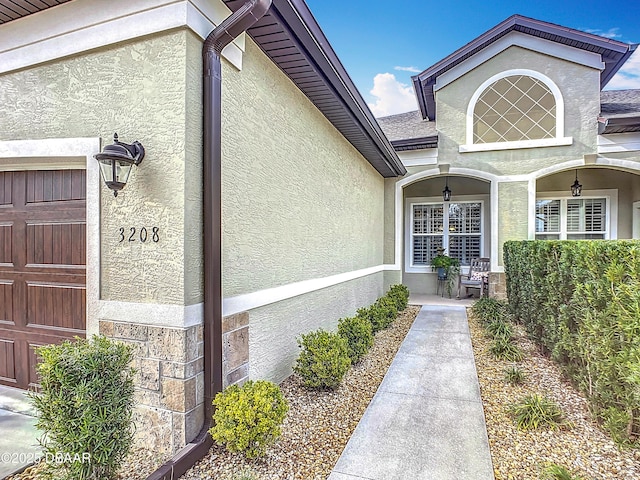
{"x": 611, "y": 196}
{"x": 559, "y": 140}
{"x": 409, "y": 265}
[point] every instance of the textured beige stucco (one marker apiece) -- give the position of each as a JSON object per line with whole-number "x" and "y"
{"x": 513, "y": 213}
{"x": 299, "y": 202}
{"x": 137, "y": 89}
{"x": 274, "y": 328}
{"x": 578, "y": 84}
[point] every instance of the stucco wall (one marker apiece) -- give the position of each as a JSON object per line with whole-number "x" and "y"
{"x": 578, "y": 84}
{"x": 136, "y": 89}
{"x": 299, "y": 202}
{"x": 274, "y": 328}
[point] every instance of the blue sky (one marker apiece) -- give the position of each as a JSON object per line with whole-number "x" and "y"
{"x": 383, "y": 43}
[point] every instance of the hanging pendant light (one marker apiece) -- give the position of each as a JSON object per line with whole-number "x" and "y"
{"x": 446, "y": 193}
{"x": 576, "y": 188}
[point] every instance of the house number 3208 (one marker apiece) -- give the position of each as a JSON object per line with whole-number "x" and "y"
{"x": 143, "y": 235}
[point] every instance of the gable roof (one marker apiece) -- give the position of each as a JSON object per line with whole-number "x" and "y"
{"x": 409, "y": 131}
{"x": 612, "y": 52}
{"x": 290, "y": 36}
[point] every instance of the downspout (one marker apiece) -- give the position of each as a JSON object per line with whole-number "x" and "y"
{"x": 236, "y": 23}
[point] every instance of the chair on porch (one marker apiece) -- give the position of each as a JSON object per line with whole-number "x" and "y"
{"x": 478, "y": 277}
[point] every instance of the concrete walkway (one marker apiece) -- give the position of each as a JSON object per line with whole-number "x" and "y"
{"x": 426, "y": 420}
{"x": 18, "y": 434}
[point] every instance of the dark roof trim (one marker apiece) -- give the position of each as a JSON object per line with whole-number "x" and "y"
{"x": 622, "y": 125}
{"x": 613, "y": 53}
{"x": 292, "y": 38}
{"x": 415, "y": 143}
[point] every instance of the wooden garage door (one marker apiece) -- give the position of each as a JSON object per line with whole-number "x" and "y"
{"x": 42, "y": 266}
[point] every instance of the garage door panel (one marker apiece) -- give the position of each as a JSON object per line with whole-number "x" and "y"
{"x": 6, "y": 188}
{"x": 56, "y": 186}
{"x": 42, "y": 265}
{"x": 56, "y": 305}
{"x": 6, "y": 244}
{"x": 7, "y": 355}
{"x": 56, "y": 243}
{"x": 6, "y": 301}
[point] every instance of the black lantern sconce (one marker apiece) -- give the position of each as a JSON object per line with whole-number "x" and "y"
{"x": 116, "y": 161}
{"x": 576, "y": 188}
{"x": 446, "y": 193}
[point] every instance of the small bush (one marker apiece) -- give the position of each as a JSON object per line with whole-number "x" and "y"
{"x": 388, "y": 310}
{"x": 400, "y": 295}
{"x": 504, "y": 349}
{"x": 558, "y": 472}
{"x": 499, "y": 328}
{"x": 358, "y": 333}
{"x": 85, "y": 406}
{"x": 248, "y": 418}
{"x": 488, "y": 309}
{"x": 514, "y": 376}
{"x": 535, "y": 411}
{"x": 324, "y": 359}
{"x": 375, "y": 316}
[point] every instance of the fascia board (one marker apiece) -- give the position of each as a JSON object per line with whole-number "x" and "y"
{"x": 82, "y": 25}
{"x": 536, "y": 44}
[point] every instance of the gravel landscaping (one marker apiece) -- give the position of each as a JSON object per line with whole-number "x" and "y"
{"x": 319, "y": 423}
{"x": 582, "y": 446}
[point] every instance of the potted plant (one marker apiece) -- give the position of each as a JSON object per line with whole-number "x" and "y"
{"x": 447, "y": 268}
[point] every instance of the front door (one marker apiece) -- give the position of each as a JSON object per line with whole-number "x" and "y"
{"x": 42, "y": 266}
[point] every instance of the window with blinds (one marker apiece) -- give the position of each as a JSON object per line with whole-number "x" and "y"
{"x": 457, "y": 227}
{"x": 572, "y": 219}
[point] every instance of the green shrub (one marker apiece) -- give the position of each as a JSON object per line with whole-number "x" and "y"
{"x": 85, "y": 406}
{"x": 400, "y": 295}
{"x": 535, "y": 411}
{"x": 504, "y": 349}
{"x": 388, "y": 310}
{"x": 358, "y": 333}
{"x": 514, "y": 376}
{"x": 579, "y": 301}
{"x": 499, "y": 329}
{"x": 558, "y": 472}
{"x": 324, "y": 359}
{"x": 487, "y": 309}
{"x": 247, "y": 418}
{"x": 375, "y": 316}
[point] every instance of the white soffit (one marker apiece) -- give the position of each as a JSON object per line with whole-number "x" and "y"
{"x": 536, "y": 44}
{"x": 83, "y": 25}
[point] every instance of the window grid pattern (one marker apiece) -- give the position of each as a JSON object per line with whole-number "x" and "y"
{"x": 457, "y": 228}
{"x": 586, "y": 218}
{"x": 465, "y": 230}
{"x": 514, "y": 108}
{"x": 573, "y": 219}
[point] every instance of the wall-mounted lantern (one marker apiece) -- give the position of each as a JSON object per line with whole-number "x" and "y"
{"x": 116, "y": 161}
{"x": 446, "y": 193}
{"x": 576, "y": 188}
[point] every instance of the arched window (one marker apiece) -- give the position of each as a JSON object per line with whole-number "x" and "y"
{"x": 515, "y": 109}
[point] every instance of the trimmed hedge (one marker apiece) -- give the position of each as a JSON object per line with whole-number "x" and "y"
{"x": 580, "y": 301}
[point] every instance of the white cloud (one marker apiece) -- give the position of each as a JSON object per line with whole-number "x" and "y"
{"x": 391, "y": 96}
{"x": 408, "y": 69}
{"x": 611, "y": 33}
{"x": 628, "y": 77}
